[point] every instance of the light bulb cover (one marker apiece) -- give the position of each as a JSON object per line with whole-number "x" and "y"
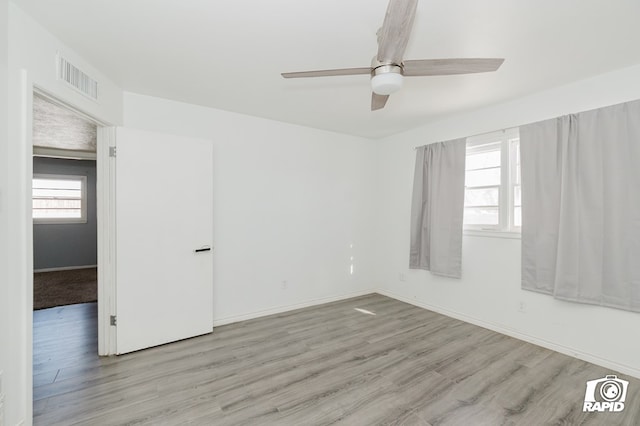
{"x": 386, "y": 80}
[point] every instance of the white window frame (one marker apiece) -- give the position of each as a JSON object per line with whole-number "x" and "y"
{"x": 508, "y": 173}
{"x": 83, "y": 206}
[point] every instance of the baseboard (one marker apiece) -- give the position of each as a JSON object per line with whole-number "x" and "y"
{"x": 286, "y": 308}
{"x": 64, "y": 268}
{"x": 622, "y": 368}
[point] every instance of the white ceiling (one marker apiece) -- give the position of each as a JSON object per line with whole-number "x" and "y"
{"x": 229, "y": 54}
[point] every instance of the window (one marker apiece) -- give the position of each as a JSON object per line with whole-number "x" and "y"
{"x": 492, "y": 199}
{"x": 59, "y": 199}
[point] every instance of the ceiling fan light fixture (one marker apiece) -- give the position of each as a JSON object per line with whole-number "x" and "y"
{"x": 386, "y": 79}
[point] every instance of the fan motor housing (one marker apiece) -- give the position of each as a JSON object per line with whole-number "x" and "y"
{"x": 386, "y": 79}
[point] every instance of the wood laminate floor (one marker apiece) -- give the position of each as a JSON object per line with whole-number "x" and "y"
{"x": 324, "y": 365}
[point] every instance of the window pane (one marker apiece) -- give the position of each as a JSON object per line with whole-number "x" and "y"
{"x": 515, "y": 144}
{"x": 57, "y": 183}
{"x": 487, "y": 177}
{"x": 517, "y": 216}
{"x": 517, "y": 196}
{"x": 57, "y": 193}
{"x": 481, "y": 215}
{"x": 483, "y": 160}
{"x": 57, "y": 204}
{"x": 57, "y": 214}
{"x": 482, "y": 197}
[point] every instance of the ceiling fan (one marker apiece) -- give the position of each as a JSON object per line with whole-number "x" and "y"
{"x": 388, "y": 68}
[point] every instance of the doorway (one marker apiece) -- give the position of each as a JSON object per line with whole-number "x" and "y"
{"x": 64, "y": 211}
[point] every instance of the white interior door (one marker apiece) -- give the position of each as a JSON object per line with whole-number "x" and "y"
{"x": 164, "y": 216}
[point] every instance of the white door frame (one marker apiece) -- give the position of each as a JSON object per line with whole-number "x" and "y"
{"x": 106, "y": 211}
{"x": 105, "y": 196}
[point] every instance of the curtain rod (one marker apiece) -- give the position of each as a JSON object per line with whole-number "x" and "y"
{"x": 477, "y": 134}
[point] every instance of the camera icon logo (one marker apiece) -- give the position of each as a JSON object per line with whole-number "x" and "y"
{"x": 605, "y": 394}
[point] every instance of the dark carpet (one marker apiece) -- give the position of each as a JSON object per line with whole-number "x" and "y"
{"x": 60, "y": 288}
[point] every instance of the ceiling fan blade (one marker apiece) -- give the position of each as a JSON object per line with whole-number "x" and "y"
{"x": 424, "y": 67}
{"x": 396, "y": 28}
{"x": 327, "y": 73}
{"x": 378, "y": 101}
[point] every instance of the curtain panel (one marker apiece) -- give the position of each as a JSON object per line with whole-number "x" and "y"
{"x": 437, "y": 208}
{"x": 581, "y": 206}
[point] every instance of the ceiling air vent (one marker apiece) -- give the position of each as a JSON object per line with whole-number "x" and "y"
{"x": 77, "y": 79}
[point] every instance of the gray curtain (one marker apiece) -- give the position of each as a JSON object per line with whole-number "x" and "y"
{"x": 581, "y": 206}
{"x": 437, "y": 208}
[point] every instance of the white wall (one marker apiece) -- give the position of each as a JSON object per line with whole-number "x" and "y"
{"x": 291, "y": 204}
{"x": 31, "y": 54}
{"x": 489, "y": 292}
{"x": 5, "y": 303}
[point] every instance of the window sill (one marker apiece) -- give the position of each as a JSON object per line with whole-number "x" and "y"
{"x": 491, "y": 234}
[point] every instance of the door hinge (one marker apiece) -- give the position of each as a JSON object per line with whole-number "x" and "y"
{"x": 112, "y": 151}
{"x": 113, "y": 320}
